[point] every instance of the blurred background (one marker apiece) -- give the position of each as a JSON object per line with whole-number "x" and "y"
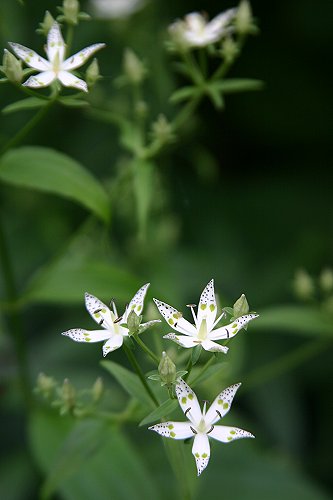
{"x": 243, "y": 196}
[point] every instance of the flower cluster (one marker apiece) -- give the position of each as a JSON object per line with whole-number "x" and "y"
{"x": 201, "y": 423}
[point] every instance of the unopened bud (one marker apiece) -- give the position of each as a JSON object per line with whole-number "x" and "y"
{"x": 162, "y": 130}
{"x": 92, "y": 73}
{"x": 71, "y": 9}
{"x": 326, "y": 280}
{"x": 229, "y": 50}
{"x": 12, "y": 67}
{"x": 303, "y": 285}
{"x": 244, "y": 21}
{"x": 133, "y": 67}
{"x": 97, "y": 390}
{"x": 240, "y": 307}
{"x": 46, "y": 24}
{"x": 133, "y": 322}
{"x": 45, "y": 385}
{"x": 68, "y": 394}
{"x": 167, "y": 369}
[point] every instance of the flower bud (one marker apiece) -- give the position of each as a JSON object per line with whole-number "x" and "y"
{"x": 68, "y": 394}
{"x": 92, "y": 73}
{"x": 12, "y": 67}
{"x": 46, "y": 24}
{"x": 133, "y": 322}
{"x": 326, "y": 280}
{"x": 240, "y": 307}
{"x": 303, "y": 285}
{"x": 229, "y": 49}
{"x": 167, "y": 369}
{"x": 97, "y": 390}
{"x": 244, "y": 20}
{"x": 71, "y": 9}
{"x": 45, "y": 385}
{"x": 133, "y": 68}
{"x": 162, "y": 130}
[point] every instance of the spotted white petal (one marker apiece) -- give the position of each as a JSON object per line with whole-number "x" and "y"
{"x": 201, "y": 451}
{"x": 229, "y": 331}
{"x": 30, "y": 57}
{"x": 112, "y": 344}
{"x": 221, "y": 404}
{"x": 207, "y": 306}
{"x": 136, "y": 303}
{"x": 41, "y": 80}
{"x": 99, "y": 311}
{"x": 210, "y": 346}
{"x": 174, "y": 430}
{"x": 188, "y": 402}
{"x": 55, "y": 44}
{"x": 175, "y": 318}
{"x": 70, "y": 80}
{"x": 182, "y": 340}
{"x": 81, "y": 335}
{"x": 148, "y": 324}
{"x": 76, "y": 60}
{"x": 226, "y": 434}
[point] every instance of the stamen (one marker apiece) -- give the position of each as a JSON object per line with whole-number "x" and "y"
{"x": 228, "y": 334}
{"x": 188, "y": 409}
{"x": 191, "y": 306}
{"x": 218, "y": 319}
{"x": 193, "y": 430}
{"x": 219, "y": 414}
{"x": 210, "y": 430}
{"x": 101, "y": 322}
{"x": 117, "y": 320}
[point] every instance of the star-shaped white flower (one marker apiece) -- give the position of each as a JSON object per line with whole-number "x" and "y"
{"x": 196, "y": 31}
{"x": 202, "y": 331}
{"x": 56, "y": 67}
{"x": 114, "y": 330}
{"x": 201, "y": 424}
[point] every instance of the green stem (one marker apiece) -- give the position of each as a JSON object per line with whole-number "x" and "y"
{"x": 186, "y": 112}
{"x": 14, "y": 319}
{"x": 188, "y": 367}
{"x": 27, "y": 128}
{"x": 285, "y": 363}
{"x": 136, "y": 366}
{"x": 146, "y": 349}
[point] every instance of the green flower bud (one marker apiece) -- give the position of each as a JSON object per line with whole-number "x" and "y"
{"x": 97, "y": 390}
{"x": 326, "y": 280}
{"x": 45, "y": 385}
{"x": 46, "y": 24}
{"x": 133, "y": 68}
{"x": 240, "y": 307}
{"x": 167, "y": 370}
{"x": 92, "y": 73}
{"x": 162, "y": 130}
{"x": 303, "y": 285}
{"x": 229, "y": 49}
{"x": 67, "y": 395}
{"x": 12, "y": 67}
{"x": 244, "y": 21}
{"x": 133, "y": 322}
{"x": 71, "y": 9}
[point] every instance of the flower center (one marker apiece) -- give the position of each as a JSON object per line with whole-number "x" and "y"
{"x": 202, "y": 334}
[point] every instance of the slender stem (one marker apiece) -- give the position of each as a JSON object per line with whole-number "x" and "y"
{"x": 140, "y": 374}
{"x": 186, "y": 112}
{"x": 27, "y": 128}
{"x": 146, "y": 349}
{"x": 14, "y": 319}
{"x": 188, "y": 367}
{"x": 286, "y": 362}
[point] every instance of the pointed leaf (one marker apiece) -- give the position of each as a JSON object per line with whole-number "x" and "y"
{"x": 183, "y": 94}
{"x": 166, "y": 408}
{"x": 129, "y": 381}
{"x": 233, "y": 85}
{"x": 48, "y": 170}
{"x": 23, "y": 104}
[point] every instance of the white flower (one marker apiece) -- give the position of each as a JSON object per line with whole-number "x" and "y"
{"x": 196, "y": 31}
{"x": 55, "y": 68}
{"x": 114, "y": 328}
{"x": 201, "y": 424}
{"x": 114, "y": 9}
{"x": 202, "y": 331}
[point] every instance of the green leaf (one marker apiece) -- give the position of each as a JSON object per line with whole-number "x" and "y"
{"x": 166, "y": 408}
{"x": 72, "y": 103}
{"x": 295, "y": 319}
{"x": 183, "y": 94}
{"x": 214, "y": 93}
{"x": 23, "y": 104}
{"x": 87, "y": 459}
{"x": 129, "y": 381}
{"x": 48, "y": 170}
{"x": 233, "y": 85}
